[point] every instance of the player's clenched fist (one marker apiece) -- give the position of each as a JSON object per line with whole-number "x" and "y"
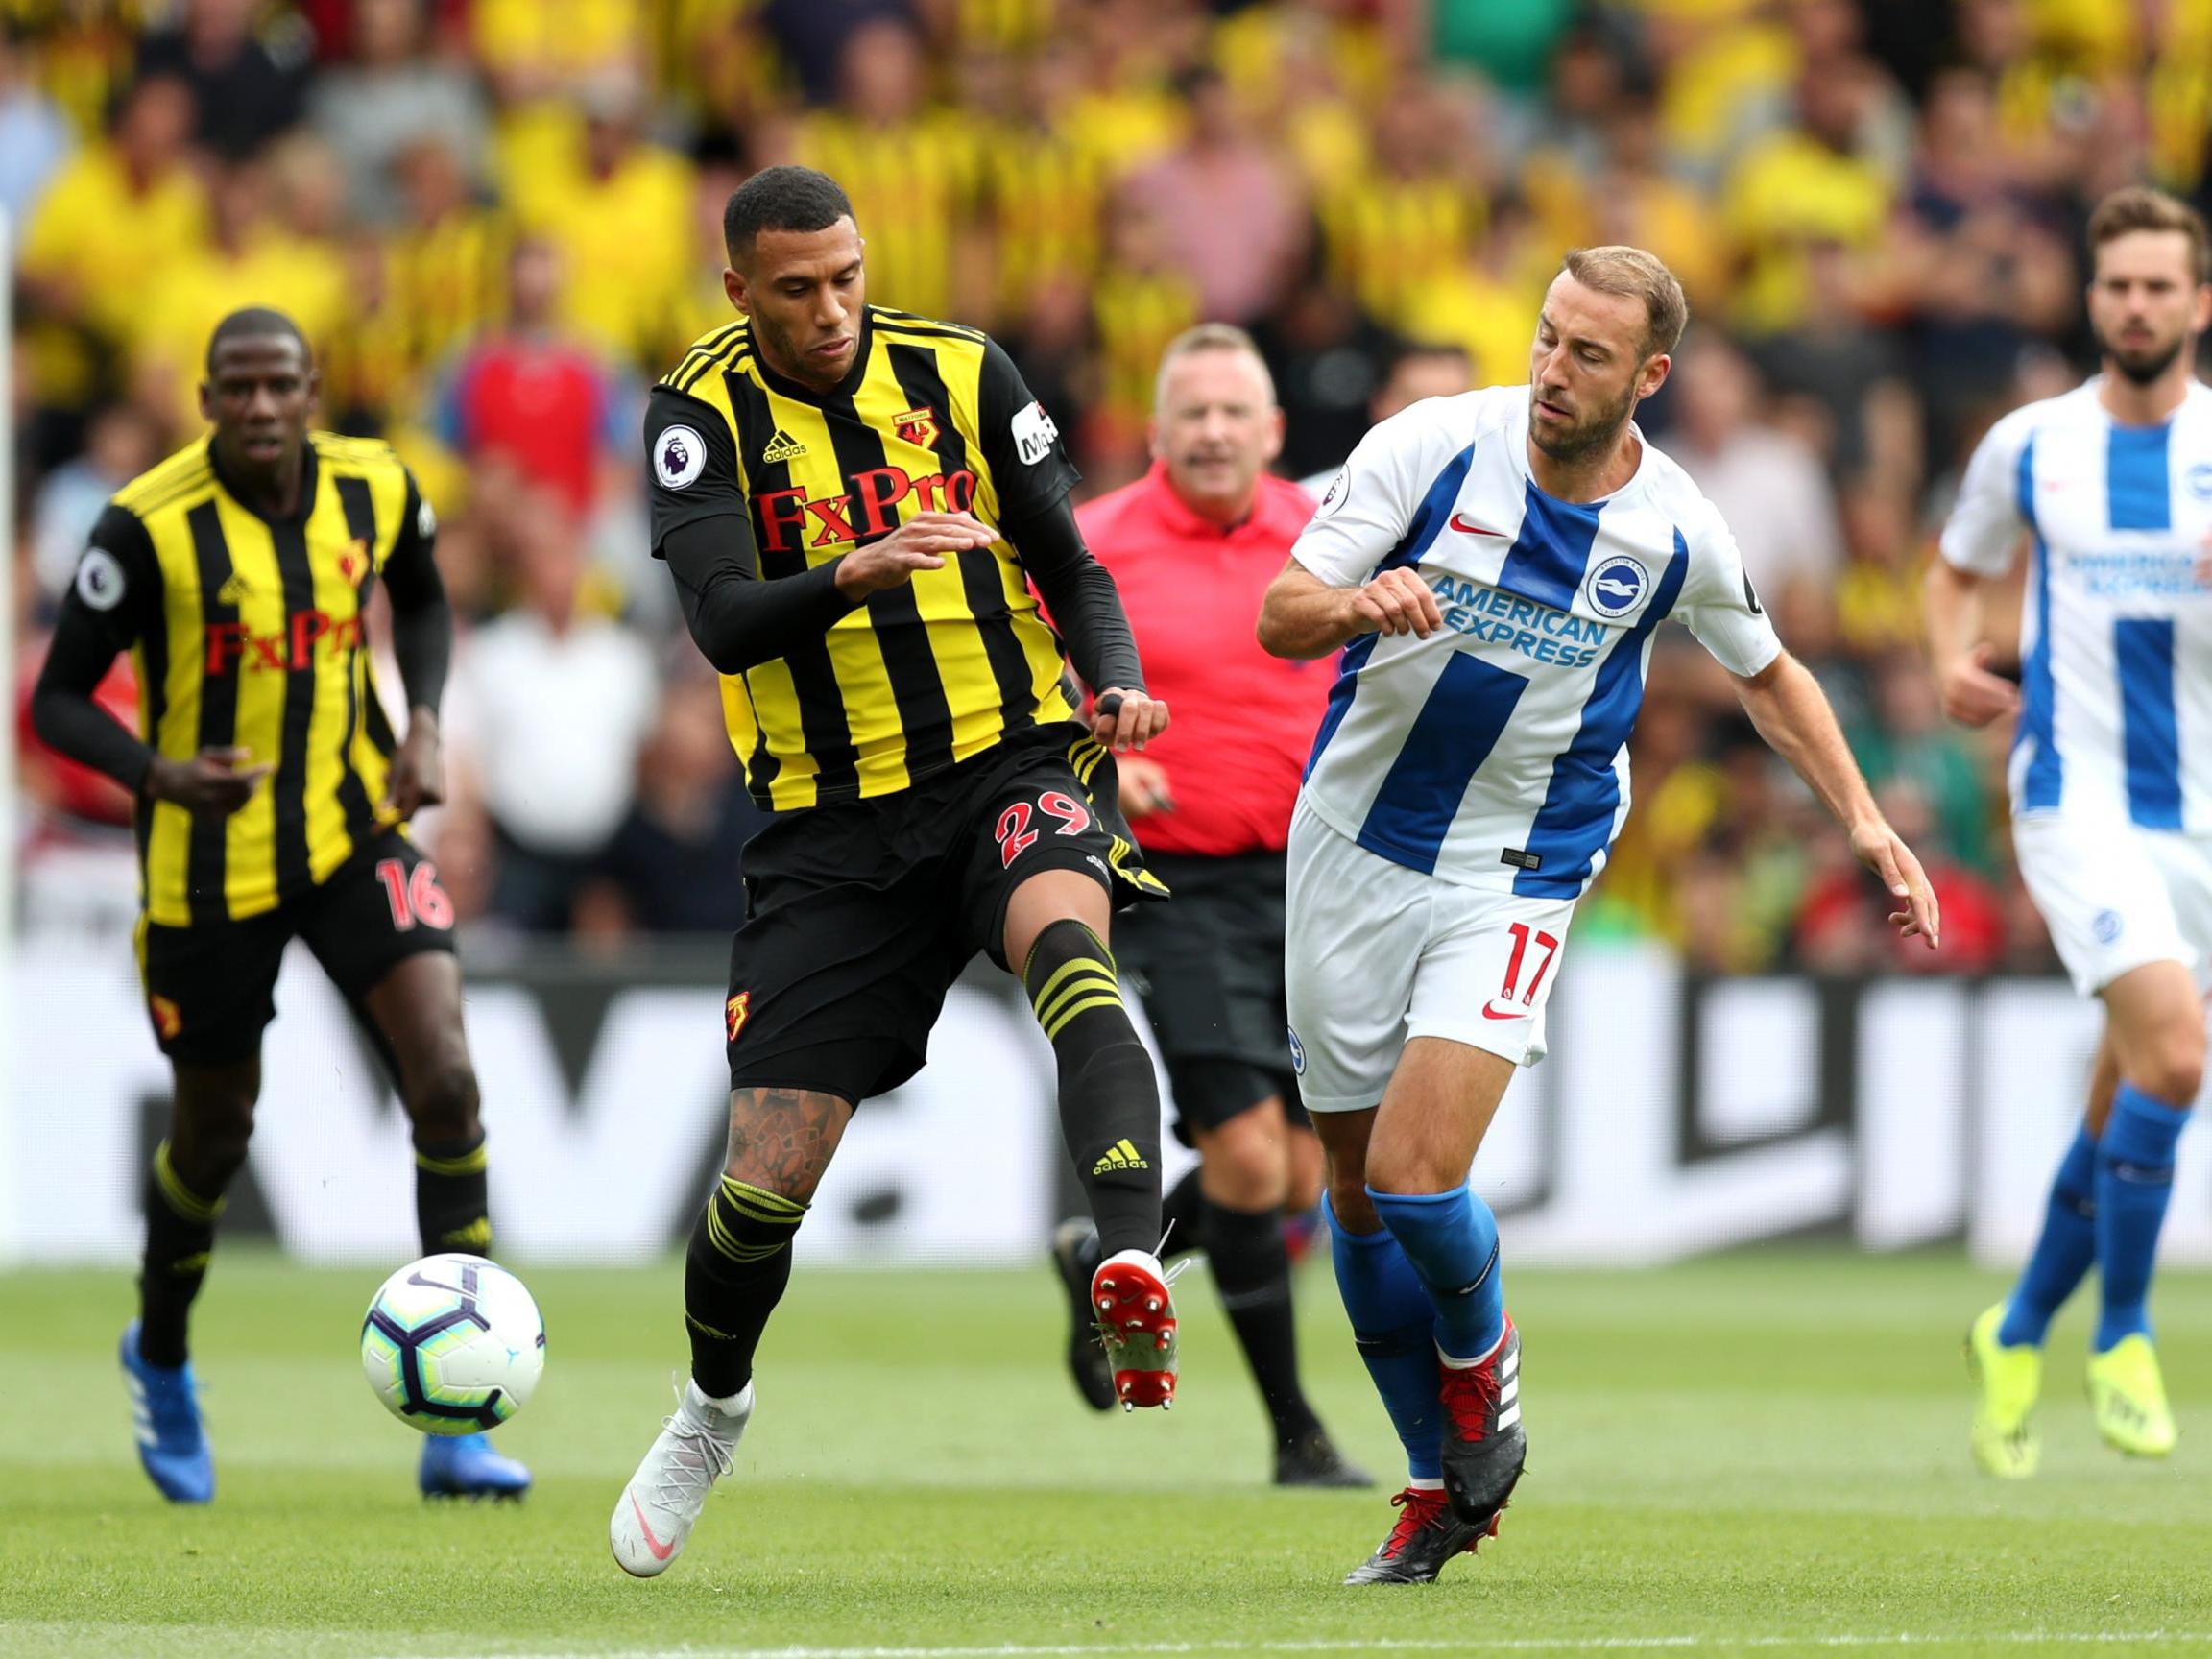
{"x": 921, "y": 543}
{"x": 1125, "y": 720}
{"x": 1395, "y": 602}
{"x": 1974, "y": 696}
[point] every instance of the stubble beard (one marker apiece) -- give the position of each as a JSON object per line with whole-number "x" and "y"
{"x": 1592, "y": 437}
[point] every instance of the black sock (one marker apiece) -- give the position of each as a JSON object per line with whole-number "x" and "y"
{"x": 734, "y": 1275}
{"x": 451, "y": 1208}
{"x": 1108, "y": 1098}
{"x": 180, "y": 1234}
{"x": 1252, "y": 1272}
{"x": 1183, "y": 1216}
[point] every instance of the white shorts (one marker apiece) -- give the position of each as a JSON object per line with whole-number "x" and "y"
{"x": 1376, "y": 953}
{"x": 2116, "y": 896}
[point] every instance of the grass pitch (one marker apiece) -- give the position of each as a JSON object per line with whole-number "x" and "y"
{"x": 1765, "y": 1453}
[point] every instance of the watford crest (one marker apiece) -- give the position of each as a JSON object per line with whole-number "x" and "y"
{"x": 917, "y": 426}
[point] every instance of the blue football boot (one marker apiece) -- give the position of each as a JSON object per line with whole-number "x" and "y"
{"x": 166, "y": 1413}
{"x": 465, "y": 1466}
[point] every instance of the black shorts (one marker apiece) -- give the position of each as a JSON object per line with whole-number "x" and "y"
{"x": 211, "y": 989}
{"x": 1210, "y": 967}
{"x": 860, "y": 915}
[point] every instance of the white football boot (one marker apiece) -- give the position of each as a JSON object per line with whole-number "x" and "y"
{"x": 653, "y": 1517}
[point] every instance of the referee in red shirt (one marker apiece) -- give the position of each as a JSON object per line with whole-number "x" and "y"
{"x": 1193, "y": 546}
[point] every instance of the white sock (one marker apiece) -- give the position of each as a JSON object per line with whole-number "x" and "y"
{"x": 1423, "y": 1484}
{"x": 738, "y": 1406}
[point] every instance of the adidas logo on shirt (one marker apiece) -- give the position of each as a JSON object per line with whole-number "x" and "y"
{"x": 783, "y": 447}
{"x": 1121, "y": 1155}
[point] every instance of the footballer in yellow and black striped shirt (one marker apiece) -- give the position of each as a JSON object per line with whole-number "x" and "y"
{"x": 854, "y": 503}
{"x": 271, "y": 799}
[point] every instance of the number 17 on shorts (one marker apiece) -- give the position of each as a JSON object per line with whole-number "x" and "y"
{"x": 1378, "y": 954}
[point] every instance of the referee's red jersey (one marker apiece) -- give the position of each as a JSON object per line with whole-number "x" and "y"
{"x": 1242, "y": 722}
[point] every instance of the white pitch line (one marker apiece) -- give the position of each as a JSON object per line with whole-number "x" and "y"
{"x": 1390, "y": 1644}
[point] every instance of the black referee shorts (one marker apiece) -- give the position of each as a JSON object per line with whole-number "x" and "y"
{"x": 1210, "y": 967}
{"x": 860, "y": 915}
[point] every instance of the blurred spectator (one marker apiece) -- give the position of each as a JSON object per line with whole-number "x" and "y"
{"x": 1985, "y": 273}
{"x": 251, "y": 258}
{"x": 1328, "y": 357}
{"x": 1767, "y": 485}
{"x": 912, "y": 171}
{"x": 531, "y": 399}
{"x": 120, "y": 442}
{"x": 1412, "y": 373}
{"x": 1148, "y": 300}
{"x": 248, "y": 84}
{"x": 34, "y": 138}
{"x": 1237, "y": 216}
{"x": 1633, "y": 198}
{"x": 616, "y": 206}
{"x": 446, "y": 265}
{"x": 1402, "y": 222}
{"x": 391, "y": 98}
{"x": 1813, "y": 184}
{"x": 812, "y": 37}
{"x": 556, "y": 705}
{"x": 675, "y": 865}
{"x": 542, "y": 49}
{"x": 85, "y": 252}
{"x": 1044, "y": 193}
{"x": 1513, "y": 46}
{"x": 1487, "y": 305}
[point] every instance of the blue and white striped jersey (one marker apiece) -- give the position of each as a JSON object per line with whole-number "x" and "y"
{"x": 2116, "y": 625}
{"x": 1493, "y": 754}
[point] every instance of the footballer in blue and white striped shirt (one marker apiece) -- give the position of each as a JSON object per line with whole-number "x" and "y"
{"x": 2110, "y": 489}
{"x": 1494, "y": 566}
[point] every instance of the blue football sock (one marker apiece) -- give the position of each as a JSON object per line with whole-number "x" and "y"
{"x": 2134, "y": 1179}
{"x": 1451, "y": 1240}
{"x": 2063, "y": 1250}
{"x": 1391, "y": 1325}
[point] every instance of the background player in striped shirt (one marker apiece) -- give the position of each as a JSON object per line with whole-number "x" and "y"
{"x": 1494, "y": 566}
{"x": 270, "y": 805}
{"x": 2111, "y": 780}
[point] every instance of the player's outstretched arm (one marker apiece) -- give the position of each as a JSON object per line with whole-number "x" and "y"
{"x": 1302, "y": 617}
{"x": 1791, "y": 712}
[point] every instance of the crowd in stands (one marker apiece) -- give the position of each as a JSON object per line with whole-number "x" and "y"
{"x": 499, "y": 221}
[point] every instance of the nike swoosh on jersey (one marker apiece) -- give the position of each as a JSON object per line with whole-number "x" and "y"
{"x": 1460, "y": 524}
{"x": 1513, "y": 1011}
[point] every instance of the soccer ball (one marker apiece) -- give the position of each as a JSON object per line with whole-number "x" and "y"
{"x": 452, "y": 1345}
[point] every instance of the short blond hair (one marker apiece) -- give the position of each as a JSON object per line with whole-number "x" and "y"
{"x": 1630, "y": 272}
{"x": 1211, "y": 337}
{"x": 2139, "y": 208}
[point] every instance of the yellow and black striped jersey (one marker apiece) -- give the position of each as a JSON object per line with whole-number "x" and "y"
{"x": 245, "y": 633}
{"x": 932, "y": 417}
